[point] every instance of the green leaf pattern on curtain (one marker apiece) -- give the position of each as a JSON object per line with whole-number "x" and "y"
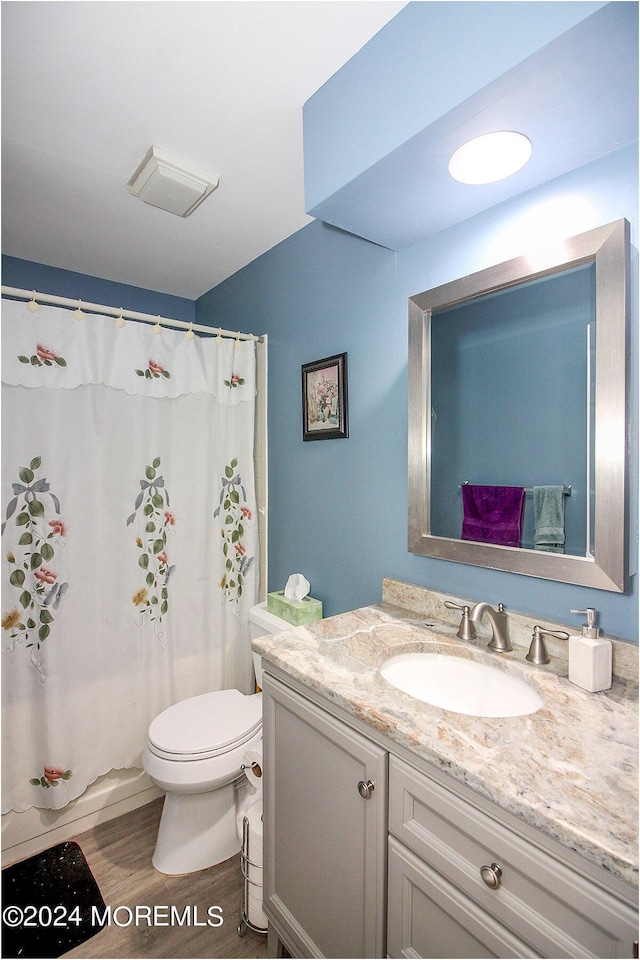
{"x": 153, "y": 500}
{"x": 32, "y": 562}
{"x": 43, "y": 357}
{"x": 236, "y": 560}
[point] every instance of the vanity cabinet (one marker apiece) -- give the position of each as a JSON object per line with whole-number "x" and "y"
{"x": 325, "y": 813}
{"x": 367, "y": 855}
{"x": 461, "y": 884}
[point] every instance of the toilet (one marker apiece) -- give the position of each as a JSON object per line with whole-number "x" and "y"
{"x": 195, "y": 752}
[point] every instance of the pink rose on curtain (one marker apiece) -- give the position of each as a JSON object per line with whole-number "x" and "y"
{"x": 52, "y": 777}
{"x": 154, "y": 369}
{"x": 53, "y": 773}
{"x": 44, "y": 353}
{"x": 235, "y": 381}
{"x": 44, "y": 575}
{"x": 43, "y": 357}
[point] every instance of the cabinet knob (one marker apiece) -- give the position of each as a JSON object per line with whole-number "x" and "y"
{"x": 491, "y": 875}
{"x": 365, "y": 789}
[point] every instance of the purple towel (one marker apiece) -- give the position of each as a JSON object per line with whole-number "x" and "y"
{"x": 492, "y": 514}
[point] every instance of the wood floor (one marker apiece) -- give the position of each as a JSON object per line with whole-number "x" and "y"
{"x": 119, "y": 855}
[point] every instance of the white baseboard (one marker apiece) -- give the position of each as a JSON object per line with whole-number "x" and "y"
{"x": 118, "y": 792}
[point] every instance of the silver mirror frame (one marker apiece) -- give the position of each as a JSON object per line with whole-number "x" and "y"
{"x": 608, "y": 246}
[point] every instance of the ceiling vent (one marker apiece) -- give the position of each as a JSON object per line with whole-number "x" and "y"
{"x": 167, "y": 182}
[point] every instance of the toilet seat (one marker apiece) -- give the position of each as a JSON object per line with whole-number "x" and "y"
{"x": 206, "y": 726}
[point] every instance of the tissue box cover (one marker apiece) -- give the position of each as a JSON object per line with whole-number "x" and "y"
{"x": 295, "y": 612}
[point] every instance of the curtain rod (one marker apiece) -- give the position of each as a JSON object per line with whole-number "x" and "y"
{"x": 117, "y": 312}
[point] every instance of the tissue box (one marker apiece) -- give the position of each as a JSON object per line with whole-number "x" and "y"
{"x": 295, "y": 612}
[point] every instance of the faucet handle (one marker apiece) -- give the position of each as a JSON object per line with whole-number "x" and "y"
{"x": 466, "y": 630}
{"x": 538, "y": 650}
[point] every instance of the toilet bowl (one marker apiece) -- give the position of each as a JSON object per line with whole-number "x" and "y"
{"x": 194, "y": 752}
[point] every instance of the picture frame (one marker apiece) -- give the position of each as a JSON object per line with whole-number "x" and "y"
{"x": 325, "y": 412}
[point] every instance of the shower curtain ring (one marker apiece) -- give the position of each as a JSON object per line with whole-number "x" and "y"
{"x": 120, "y": 320}
{"x": 156, "y": 327}
{"x": 33, "y": 304}
{"x": 190, "y": 335}
{"x": 237, "y": 343}
{"x": 78, "y": 314}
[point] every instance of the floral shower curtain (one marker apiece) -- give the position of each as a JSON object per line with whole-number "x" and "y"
{"x": 129, "y": 535}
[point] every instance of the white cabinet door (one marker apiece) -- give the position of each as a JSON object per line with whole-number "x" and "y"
{"x": 429, "y": 917}
{"x": 325, "y": 829}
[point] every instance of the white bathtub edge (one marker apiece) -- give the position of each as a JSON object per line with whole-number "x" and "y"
{"x": 118, "y": 792}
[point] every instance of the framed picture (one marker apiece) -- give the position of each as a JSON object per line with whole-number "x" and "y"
{"x": 324, "y": 399}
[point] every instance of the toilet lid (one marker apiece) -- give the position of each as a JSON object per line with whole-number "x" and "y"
{"x": 206, "y": 726}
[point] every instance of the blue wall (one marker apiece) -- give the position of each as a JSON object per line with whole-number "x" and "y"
{"x": 338, "y": 508}
{"x": 65, "y": 283}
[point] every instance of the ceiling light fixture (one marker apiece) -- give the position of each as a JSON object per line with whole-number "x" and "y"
{"x": 491, "y": 157}
{"x": 165, "y": 181}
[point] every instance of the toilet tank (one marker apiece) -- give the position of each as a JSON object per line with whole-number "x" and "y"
{"x": 262, "y": 623}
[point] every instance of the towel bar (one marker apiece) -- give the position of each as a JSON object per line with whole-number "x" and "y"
{"x": 566, "y": 488}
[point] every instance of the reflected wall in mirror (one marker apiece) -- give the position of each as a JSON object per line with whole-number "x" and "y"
{"x": 522, "y": 354}
{"x": 517, "y": 379}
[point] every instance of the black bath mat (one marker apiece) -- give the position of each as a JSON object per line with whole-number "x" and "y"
{"x": 50, "y": 903}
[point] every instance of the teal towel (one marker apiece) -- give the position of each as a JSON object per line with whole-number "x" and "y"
{"x": 548, "y": 518}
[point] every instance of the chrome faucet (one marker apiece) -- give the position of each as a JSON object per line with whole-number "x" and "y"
{"x": 498, "y": 620}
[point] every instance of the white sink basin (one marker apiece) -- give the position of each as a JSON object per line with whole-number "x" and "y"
{"x": 461, "y": 685}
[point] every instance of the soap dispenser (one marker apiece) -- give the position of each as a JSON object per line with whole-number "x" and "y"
{"x": 590, "y": 656}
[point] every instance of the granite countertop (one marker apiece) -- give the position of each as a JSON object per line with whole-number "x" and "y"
{"x": 569, "y": 770}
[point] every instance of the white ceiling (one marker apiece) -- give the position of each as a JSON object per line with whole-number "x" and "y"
{"x": 88, "y": 87}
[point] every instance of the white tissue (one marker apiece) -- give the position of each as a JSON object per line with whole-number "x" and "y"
{"x": 297, "y": 587}
{"x": 252, "y": 763}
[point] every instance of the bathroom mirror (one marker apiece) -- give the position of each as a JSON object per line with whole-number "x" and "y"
{"x": 517, "y": 377}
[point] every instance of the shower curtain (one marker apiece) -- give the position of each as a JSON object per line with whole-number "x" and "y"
{"x": 129, "y": 536}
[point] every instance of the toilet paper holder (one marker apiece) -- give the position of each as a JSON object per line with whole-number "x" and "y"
{"x": 246, "y": 866}
{"x": 255, "y": 768}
